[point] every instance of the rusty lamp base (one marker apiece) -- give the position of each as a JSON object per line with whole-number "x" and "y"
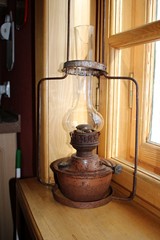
{"x": 59, "y": 197}
{"x": 83, "y": 180}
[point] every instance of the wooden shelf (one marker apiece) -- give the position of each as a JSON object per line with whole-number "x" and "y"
{"x": 48, "y": 219}
{"x": 11, "y": 127}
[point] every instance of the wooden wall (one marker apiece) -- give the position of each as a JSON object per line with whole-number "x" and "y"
{"x": 57, "y": 96}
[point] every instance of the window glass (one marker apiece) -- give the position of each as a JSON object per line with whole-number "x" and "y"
{"x": 155, "y": 123}
{"x": 154, "y": 136}
{"x": 132, "y": 14}
{"x": 131, "y": 63}
{"x": 142, "y": 63}
{"x": 158, "y": 10}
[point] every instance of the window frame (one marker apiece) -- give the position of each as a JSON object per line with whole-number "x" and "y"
{"x": 129, "y": 39}
{"x": 109, "y": 106}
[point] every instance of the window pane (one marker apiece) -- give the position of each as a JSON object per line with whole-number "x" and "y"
{"x": 155, "y": 124}
{"x": 132, "y": 14}
{"x": 158, "y": 10}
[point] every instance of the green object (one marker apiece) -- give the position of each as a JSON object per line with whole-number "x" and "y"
{"x": 18, "y": 158}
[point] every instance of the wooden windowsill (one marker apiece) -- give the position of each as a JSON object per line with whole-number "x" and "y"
{"x": 48, "y": 219}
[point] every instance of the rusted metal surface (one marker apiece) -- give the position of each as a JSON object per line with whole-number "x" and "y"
{"x": 83, "y": 186}
{"x": 83, "y": 176}
{"x": 89, "y": 204}
{"x": 84, "y": 141}
{"x": 84, "y": 68}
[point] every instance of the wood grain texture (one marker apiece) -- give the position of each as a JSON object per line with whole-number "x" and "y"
{"x": 147, "y": 33}
{"x": 51, "y": 53}
{"x": 41, "y": 56}
{"x": 50, "y": 220}
{"x": 8, "y": 145}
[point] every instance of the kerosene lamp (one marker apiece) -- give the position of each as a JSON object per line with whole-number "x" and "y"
{"x": 83, "y": 179}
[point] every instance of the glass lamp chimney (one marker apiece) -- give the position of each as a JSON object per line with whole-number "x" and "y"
{"x": 83, "y": 112}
